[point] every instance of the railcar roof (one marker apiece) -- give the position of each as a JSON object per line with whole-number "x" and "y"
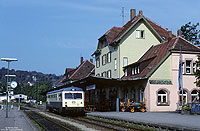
{"x": 72, "y": 88}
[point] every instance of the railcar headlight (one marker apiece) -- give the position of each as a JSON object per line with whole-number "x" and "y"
{"x": 65, "y": 102}
{"x": 81, "y": 102}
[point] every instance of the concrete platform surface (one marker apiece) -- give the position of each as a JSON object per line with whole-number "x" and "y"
{"x": 16, "y": 121}
{"x": 163, "y": 118}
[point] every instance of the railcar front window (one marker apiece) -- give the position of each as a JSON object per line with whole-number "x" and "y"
{"x": 68, "y": 96}
{"x": 73, "y": 96}
{"x": 77, "y": 96}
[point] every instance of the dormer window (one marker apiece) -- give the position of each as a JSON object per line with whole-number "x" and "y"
{"x": 104, "y": 43}
{"x": 140, "y": 34}
{"x": 125, "y": 72}
{"x": 135, "y": 70}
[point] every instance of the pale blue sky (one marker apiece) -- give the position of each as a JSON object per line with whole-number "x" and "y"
{"x": 50, "y": 35}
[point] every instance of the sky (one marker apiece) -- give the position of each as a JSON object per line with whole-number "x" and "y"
{"x": 49, "y": 35}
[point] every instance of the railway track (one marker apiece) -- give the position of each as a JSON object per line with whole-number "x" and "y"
{"x": 48, "y": 124}
{"x": 96, "y": 124}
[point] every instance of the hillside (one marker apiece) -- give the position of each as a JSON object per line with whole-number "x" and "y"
{"x": 26, "y": 77}
{"x": 26, "y": 84}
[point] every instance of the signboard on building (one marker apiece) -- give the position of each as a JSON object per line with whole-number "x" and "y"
{"x": 91, "y": 87}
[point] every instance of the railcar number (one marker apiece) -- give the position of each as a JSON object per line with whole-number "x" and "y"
{"x": 73, "y": 102}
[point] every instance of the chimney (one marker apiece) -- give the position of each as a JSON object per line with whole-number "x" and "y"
{"x": 179, "y": 33}
{"x": 81, "y": 60}
{"x": 91, "y": 60}
{"x": 169, "y": 35}
{"x": 140, "y": 12}
{"x": 132, "y": 13}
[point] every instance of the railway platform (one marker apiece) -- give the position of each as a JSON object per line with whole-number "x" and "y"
{"x": 16, "y": 121}
{"x": 169, "y": 120}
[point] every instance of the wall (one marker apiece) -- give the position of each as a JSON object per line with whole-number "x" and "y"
{"x": 188, "y": 83}
{"x": 134, "y": 48}
{"x": 164, "y": 71}
{"x": 108, "y": 66}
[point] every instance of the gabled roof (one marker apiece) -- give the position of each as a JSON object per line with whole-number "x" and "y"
{"x": 156, "y": 55}
{"x": 86, "y": 68}
{"x": 83, "y": 70}
{"x": 116, "y": 32}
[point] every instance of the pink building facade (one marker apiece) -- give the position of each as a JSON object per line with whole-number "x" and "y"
{"x": 159, "y": 67}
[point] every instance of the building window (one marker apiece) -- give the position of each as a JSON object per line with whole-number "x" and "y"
{"x": 133, "y": 71}
{"x": 97, "y": 62}
{"x": 194, "y": 67}
{"x": 115, "y": 62}
{"x": 194, "y": 96}
{"x": 141, "y": 95}
{"x": 184, "y": 96}
{"x": 104, "y": 59}
{"x": 125, "y": 61}
{"x": 188, "y": 66}
{"x": 103, "y": 74}
{"x": 109, "y": 73}
{"x": 108, "y": 57}
{"x": 162, "y": 97}
{"x": 183, "y": 68}
{"x": 125, "y": 72}
{"x": 140, "y": 34}
{"x": 97, "y": 74}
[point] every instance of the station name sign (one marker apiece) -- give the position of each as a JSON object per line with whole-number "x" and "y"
{"x": 91, "y": 87}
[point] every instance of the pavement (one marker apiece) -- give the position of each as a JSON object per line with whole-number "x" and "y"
{"x": 169, "y": 119}
{"x": 16, "y": 121}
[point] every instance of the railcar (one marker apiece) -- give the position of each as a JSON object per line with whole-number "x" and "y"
{"x": 67, "y": 101}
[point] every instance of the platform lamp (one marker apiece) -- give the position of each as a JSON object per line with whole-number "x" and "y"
{"x": 7, "y": 60}
{"x": 9, "y": 88}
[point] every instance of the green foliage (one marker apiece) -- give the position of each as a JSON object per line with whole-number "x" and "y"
{"x": 187, "y": 107}
{"x": 35, "y": 90}
{"x": 197, "y": 73}
{"x": 191, "y": 33}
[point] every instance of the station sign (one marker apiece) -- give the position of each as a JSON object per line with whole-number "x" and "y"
{"x": 91, "y": 87}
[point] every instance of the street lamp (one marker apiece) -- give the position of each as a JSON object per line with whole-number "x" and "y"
{"x": 9, "y": 87}
{"x": 7, "y": 60}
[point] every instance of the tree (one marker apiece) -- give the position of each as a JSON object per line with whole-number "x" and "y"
{"x": 197, "y": 73}
{"x": 191, "y": 33}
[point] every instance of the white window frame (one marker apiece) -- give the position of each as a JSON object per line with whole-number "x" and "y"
{"x": 133, "y": 70}
{"x": 194, "y": 95}
{"x": 184, "y": 95}
{"x": 183, "y": 67}
{"x": 162, "y": 97}
{"x": 108, "y": 57}
{"x": 194, "y": 67}
{"x": 125, "y": 72}
{"x": 115, "y": 63}
{"x": 104, "y": 59}
{"x": 98, "y": 62}
{"x": 188, "y": 67}
{"x": 139, "y": 34}
{"x": 109, "y": 73}
{"x": 125, "y": 61}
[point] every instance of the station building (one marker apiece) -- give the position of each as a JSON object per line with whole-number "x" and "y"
{"x": 140, "y": 62}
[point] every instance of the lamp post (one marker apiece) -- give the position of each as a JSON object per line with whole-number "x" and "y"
{"x": 7, "y": 60}
{"x": 9, "y": 88}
